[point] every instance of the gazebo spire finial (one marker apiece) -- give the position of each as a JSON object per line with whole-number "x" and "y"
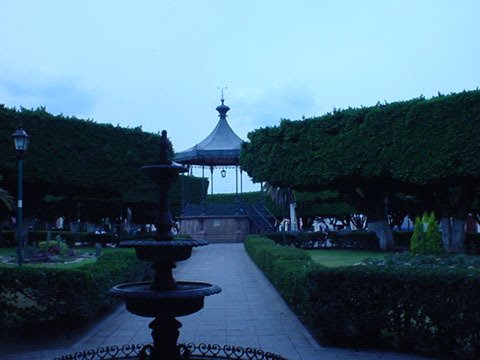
{"x": 222, "y": 109}
{"x": 221, "y": 89}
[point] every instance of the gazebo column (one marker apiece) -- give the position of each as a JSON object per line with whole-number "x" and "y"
{"x": 237, "y": 200}
{"x": 241, "y": 181}
{"x": 236, "y": 179}
{"x": 203, "y": 192}
{"x": 211, "y": 177}
{"x": 182, "y": 206}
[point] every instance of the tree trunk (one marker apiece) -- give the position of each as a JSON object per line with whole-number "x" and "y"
{"x": 453, "y": 234}
{"x": 454, "y": 212}
{"x": 383, "y": 232}
{"x": 446, "y": 228}
{"x": 458, "y": 236}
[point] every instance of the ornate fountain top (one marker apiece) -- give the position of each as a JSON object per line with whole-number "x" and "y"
{"x": 166, "y": 149}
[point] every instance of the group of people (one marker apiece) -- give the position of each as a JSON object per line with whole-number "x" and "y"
{"x": 286, "y": 225}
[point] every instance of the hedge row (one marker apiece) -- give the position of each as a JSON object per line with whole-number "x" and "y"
{"x": 434, "y": 310}
{"x": 31, "y": 295}
{"x": 359, "y": 239}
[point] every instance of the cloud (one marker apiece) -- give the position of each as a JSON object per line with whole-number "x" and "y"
{"x": 59, "y": 94}
{"x": 257, "y": 107}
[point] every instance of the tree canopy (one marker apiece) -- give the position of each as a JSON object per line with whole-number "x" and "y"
{"x": 417, "y": 141}
{"x": 423, "y": 147}
{"x": 73, "y": 159}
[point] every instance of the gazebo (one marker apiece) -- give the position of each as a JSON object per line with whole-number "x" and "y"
{"x": 219, "y": 149}
{"x": 226, "y": 222}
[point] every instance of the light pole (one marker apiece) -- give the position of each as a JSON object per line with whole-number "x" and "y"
{"x": 20, "y": 139}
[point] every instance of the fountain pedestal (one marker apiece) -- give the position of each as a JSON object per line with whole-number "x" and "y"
{"x": 165, "y": 335}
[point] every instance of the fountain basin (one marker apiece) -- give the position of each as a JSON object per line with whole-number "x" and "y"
{"x": 187, "y": 298}
{"x": 163, "y": 251}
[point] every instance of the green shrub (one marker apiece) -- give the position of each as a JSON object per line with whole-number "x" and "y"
{"x": 434, "y": 245}
{"x": 56, "y": 246}
{"x": 32, "y": 295}
{"x": 420, "y": 303}
{"x": 426, "y": 237}
{"x": 417, "y": 244}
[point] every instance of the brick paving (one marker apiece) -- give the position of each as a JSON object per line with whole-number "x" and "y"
{"x": 248, "y": 312}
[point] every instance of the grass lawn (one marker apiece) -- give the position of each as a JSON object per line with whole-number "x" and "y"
{"x": 340, "y": 257}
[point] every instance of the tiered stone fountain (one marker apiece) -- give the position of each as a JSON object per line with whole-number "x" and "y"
{"x": 164, "y": 298}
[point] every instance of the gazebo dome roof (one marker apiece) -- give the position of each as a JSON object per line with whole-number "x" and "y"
{"x": 221, "y": 147}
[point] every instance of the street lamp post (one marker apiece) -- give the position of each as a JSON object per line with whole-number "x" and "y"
{"x": 20, "y": 139}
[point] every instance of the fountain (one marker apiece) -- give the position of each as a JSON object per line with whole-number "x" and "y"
{"x": 164, "y": 298}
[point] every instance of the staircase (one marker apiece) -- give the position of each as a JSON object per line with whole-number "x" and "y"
{"x": 262, "y": 218}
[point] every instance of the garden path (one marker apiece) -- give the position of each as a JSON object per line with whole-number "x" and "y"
{"x": 249, "y": 312}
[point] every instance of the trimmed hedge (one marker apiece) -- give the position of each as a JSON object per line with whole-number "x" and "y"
{"x": 302, "y": 240}
{"x": 410, "y": 308}
{"x": 358, "y": 240}
{"x": 31, "y": 295}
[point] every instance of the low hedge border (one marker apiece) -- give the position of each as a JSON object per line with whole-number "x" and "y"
{"x": 33, "y": 295}
{"x": 358, "y": 239}
{"x": 431, "y": 310}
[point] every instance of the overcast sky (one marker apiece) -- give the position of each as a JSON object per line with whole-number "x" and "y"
{"x": 158, "y": 64}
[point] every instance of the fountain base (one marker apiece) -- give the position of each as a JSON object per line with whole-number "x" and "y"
{"x": 185, "y": 352}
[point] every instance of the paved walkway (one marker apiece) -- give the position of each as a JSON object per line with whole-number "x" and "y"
{"x": 248, "y": 312}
